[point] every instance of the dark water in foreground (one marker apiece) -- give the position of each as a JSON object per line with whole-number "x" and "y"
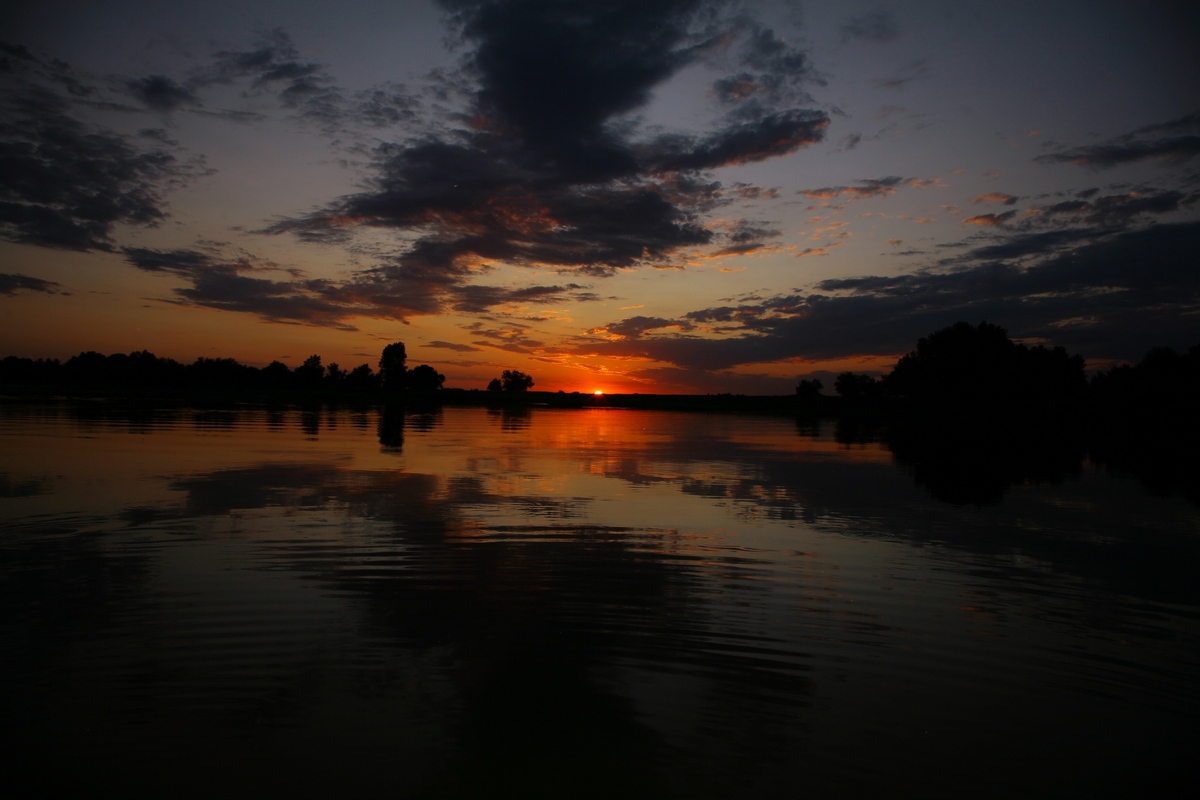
{"x": 593, "y": 603}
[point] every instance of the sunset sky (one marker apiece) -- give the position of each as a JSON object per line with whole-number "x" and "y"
{"x": 675, "y": 196}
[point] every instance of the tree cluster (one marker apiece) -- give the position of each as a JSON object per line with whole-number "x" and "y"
{"x": 511, "y": 381}
{"x": 147, "y": 372}
{"x": 979, "y": 368}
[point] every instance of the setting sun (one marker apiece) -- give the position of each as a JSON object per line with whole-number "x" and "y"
{"x": 598, "y": 392}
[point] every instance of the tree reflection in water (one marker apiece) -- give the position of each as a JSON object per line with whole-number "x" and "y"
{"x": 553, "y": 603}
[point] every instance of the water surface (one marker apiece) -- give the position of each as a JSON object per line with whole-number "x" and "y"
{"x": 588, "y": 603}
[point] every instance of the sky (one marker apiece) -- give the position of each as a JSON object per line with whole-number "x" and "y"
{"x": 675, "y": 196}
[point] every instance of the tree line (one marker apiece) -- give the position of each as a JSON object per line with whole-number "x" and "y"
{"x": 968, "y": 367}
{"x": 145, "y": 371}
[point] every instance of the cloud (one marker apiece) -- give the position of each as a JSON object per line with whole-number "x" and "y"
{"x": 511, "y": 338}
{"x": 917, "y": 70}
{"x": 746, "y": 191}
{"x": 746, "y": 237}
{"x": 773, "y": 73}
{"x": 160, "y": 93}
{"x": 67, "y": 184}
{"x": 1130, "y": 287}
{"x": 990, "y": 219}
{"x": 1117, "y": 209}
{"x": 530, "y": 153}
{"x": 230, "y": 284}
{"x": 479, "y": 299}
{"x": 634, "y": 327}
{"x": 995, "y": 197}
{"x": 236, "y": 283}
{"x": 11, "y": 283}
{"x": 274, "y": 66}
{"x": 1138, "y": 145}
{"x": 460, "y": 348}
{"x": 850, "y": 141}
{"x": 870, "y": 187}
{"x": 553, "y": 171}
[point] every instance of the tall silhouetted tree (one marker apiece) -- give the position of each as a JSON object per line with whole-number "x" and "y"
{"x": 515, "y": 381}
{"x": 391, "y": 367}
{"x": 494, "y": 385}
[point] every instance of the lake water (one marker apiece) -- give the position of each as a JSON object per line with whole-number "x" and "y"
{"x": 586, "y": 603}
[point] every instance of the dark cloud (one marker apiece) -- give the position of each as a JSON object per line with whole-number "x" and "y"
{"x": 273, "y": 62}
{"x": 11, "y": 283}
{"x": 875, "y": 26}
{"x": 160, "y": 93}
{"x": 238, "y": 284}
{"x": 634, "y": 327}
{"x": 1033, "y": 244}
{"x": 746, "y": 191}
{"x": 1173, "y": 150}
{"x": 552, "y": 171}
{"x": 1103, "y": 294}
{"x": 460, "y": 348}
{"x": 274, "y": 67}
{"x": 772, "y": 74}
{"x": 66, "y": 183}
{"x": 479, "y": 299}
{"x": 541, "y": 163}
{"x": 229, "y": 284}
{"x": 510, "y": 337}
{"x": 1143, "y": 144}
{"x": 765, "y": 136}
{"x": 1120, "y": 208}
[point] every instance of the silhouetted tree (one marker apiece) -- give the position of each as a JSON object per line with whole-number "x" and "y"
{"x": 26, "y": 370}
{"x": 220, "y": 373}
{"x": 361, "y": 378}
{"x": 857, "y": 388}
{"x": 809, "y": 389}
{"x": 310, "y": 372}
{"x": 87, "y": 367}
{"x": 494, "y": 385}
{"x": 515, "y": 381}
{"x": 277, "y": 375}
{"x": 973, "y": 366}
{"x": 391, "y": 367}
{"x": 425, "y": 379}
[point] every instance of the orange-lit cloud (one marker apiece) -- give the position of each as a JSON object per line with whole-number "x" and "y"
{"x": 990, "y": 219}
{"x": 995, "y": 197}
